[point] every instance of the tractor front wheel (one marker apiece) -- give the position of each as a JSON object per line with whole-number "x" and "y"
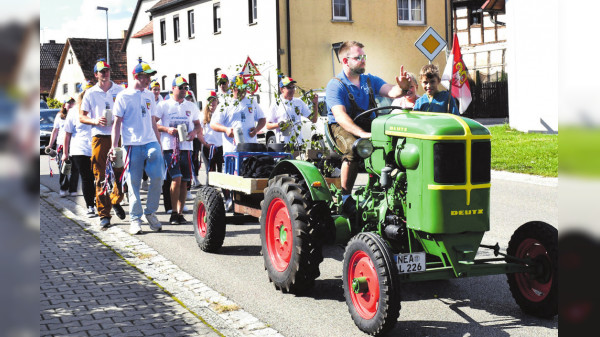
{"x": 536, "y": 293}
{"x": 209, "y": 219}
{"x": 370, "y": 284}
{"x": 290, "y": 246}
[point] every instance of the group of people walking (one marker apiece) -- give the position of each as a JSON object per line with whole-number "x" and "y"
{"x": 165, "y": 140}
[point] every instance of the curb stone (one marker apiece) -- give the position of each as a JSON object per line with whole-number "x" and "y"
{"x": 189, "y": 292}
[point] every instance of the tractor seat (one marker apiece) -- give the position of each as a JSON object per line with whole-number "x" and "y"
{"x": 329, "y": 139}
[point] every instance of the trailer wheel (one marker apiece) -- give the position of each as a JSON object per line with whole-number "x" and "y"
{"x": 209, "y": 219}
{"x": 370, "y": 286}
{"x": 290, "y": 244}
{"x": 536, "y": 294}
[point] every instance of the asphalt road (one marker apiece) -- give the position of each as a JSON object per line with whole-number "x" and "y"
{"x": 474, "y": 306}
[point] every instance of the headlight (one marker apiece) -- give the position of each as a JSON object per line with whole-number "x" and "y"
{"x": 363, "y": 147}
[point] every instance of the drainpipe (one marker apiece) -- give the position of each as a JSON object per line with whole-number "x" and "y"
{"x": 289, "y": 43}
{"x": 278, "y": 22}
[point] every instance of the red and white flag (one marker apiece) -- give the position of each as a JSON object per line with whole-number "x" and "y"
{"x": 455, "y": 77}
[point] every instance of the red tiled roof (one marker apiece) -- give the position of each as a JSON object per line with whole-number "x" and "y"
{"x": 147, "y": 30}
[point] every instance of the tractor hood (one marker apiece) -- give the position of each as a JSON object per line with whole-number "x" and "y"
{"x": 425, "y": 125}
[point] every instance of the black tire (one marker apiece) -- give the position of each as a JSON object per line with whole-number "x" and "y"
{"x": 376, "y": 311}
{"x": 209, "y": 219}
{"x": 292, "y": 261}
{"x": 270, "y": 139}
{"x": 537, "y": 295}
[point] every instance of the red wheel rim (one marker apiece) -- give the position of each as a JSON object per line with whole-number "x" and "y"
{"x": 279, "y": 234}
{"x": 531, "y": 288}
{"x": 366, "y": 303}
{"x": 201, "y": 220}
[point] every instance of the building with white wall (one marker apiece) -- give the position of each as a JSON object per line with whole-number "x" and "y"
{"x": 532, "y": 62}
{"x": 139, "y": 41}
{"x": 76, "y": 65}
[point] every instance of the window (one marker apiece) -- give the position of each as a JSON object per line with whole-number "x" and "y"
{"x": 65, "y": 88}
{"x": 163, "y": 32}
{"x": 78, "y": 87}
{"x": 475, "y": 17}
{"x": 411, "y": 11}
{"x": 191, "y": 30}
{"x": 340, "y": 10}
{"x": 176, "y": 28}
{"x": 217, "y": 18}
{"x": 193, "y": 85}
{"x": 252, "y": 16}
{"x": 217, "y": 72}
{"x": 152, "y": 46}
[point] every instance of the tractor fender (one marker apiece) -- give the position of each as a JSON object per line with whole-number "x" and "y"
{"x": 314, "y": 180}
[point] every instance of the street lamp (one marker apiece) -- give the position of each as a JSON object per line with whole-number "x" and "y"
{"x": 107, "y": 54}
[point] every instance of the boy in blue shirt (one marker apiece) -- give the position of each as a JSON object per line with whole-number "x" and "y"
{"x": 434, "y": 100}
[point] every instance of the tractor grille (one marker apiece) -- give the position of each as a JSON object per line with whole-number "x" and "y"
{"x": 480, "y": 162}
{"x": 449, "y": 163}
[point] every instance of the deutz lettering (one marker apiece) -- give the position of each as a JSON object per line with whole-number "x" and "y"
{"x": 467, "y": 212}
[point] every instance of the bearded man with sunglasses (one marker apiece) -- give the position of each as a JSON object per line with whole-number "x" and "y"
{"x": 347, "y": 95}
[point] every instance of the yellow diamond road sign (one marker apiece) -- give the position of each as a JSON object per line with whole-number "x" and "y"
{"x": 430, "y": 43}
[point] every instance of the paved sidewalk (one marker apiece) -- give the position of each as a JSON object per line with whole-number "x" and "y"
{"x": 88, "y": 290}
{"x": 109, "y": 283}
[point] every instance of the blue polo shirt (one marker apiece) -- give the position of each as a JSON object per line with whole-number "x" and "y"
{"x": 438, "y": 103}
{"x": 336, "y": 93}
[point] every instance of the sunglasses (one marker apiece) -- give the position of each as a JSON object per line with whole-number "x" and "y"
{"x": 358, "y": 58}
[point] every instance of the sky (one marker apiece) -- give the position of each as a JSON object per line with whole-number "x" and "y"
{"x": 62, "y": 19}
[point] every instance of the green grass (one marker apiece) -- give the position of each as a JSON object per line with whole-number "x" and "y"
{"x": 529, "y": 153}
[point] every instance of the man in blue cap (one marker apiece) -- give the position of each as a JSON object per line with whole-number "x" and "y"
{"x": 134, "y": 120}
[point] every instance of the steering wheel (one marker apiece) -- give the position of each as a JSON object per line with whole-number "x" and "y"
{"x": 376, "y": 110}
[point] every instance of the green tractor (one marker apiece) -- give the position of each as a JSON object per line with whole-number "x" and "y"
{"x": 421, "y": 216}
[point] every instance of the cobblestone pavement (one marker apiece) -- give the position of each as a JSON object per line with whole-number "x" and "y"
{"x": 108, "y": 283}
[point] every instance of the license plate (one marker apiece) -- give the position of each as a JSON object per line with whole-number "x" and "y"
{"x": 410, "y": 262}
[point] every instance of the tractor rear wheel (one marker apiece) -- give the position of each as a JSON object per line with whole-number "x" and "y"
{"x": 209, "y": 219}
{"x": 536, "y": 294}
{"x": 370, "y": 284}
{"x": 291, "y": 246}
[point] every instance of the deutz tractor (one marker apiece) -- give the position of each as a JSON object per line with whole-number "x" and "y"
{"x": 421, "y": 216}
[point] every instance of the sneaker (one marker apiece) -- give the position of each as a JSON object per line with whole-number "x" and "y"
{"x": 73, "y": 194}
{"x": 169, "y": 211}
{"x": 62, "y": 193}
{"x": 104, "y": 224}
{"x": 145, "y": 185}
{"x": 135, "y": 227}
{"x": 153, "y": 222}
{"x": 119, "y": 211}
{"x": 181, "y": 219}
{"x": 174, "y": 219}
{"x": 196, "y": 182}
{"x": 189, "y": 196}
{"x": 91, "y": 212}
{"x": 185, "y": 209}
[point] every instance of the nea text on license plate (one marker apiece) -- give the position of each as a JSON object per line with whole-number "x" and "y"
{"x": 410, "y": 262}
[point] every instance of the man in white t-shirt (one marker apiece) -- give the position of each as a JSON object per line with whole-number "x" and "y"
{"x": 98, "y": 98}
{"x": 239, "y": 113}
{"x": 134, "y": 112}
{"x": 285, "y": 114}
{"x": 178, "y": 154}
